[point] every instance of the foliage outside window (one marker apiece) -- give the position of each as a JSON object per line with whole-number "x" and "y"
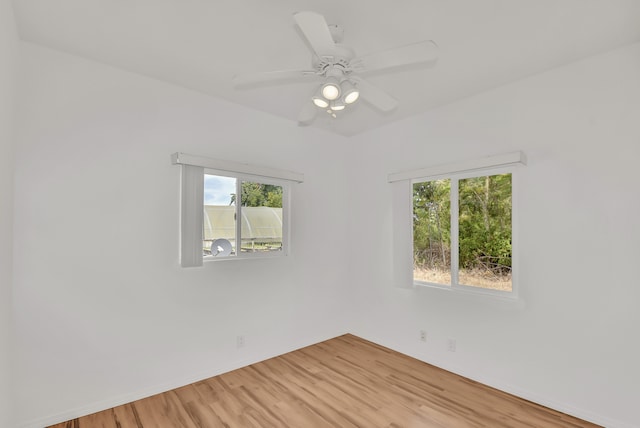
{"x": 242, "y": 217}
{"x": 462, "y": 232}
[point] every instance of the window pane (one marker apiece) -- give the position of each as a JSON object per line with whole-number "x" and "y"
{"x": 219, "y": 216}
{"x": 261, "y": 210}
{"x": 431, "y": 232}
{"x": 485, "y": 232}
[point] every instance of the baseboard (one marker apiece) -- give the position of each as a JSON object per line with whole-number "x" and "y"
{"x": 446, "y": 365}
{"x": 167, "y": 386}
{"x": 505, "y": 387}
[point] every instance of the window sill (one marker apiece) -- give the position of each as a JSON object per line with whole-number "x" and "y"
{"x": 506, "y": 301}
{"x": 255, "y": 256}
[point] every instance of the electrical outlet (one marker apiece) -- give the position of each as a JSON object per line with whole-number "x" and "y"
{"x": 240, "y": 341}
{"x": 423, "y": 335}
{"x": 452, "y": 345}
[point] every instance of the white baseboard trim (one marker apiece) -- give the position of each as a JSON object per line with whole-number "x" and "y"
{"x": 167, "y": 386}
{"x": 505, "y": 387}
{"x": 195, "y": 377}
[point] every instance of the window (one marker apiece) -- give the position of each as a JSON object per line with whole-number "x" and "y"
{"x": 454, "y": 226}
{"x": 462, "y": 231}
{"x": 231, "y": 210}
{"x": 248, "y": 212}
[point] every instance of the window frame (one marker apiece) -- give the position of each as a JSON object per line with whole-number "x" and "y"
{"x": 455, "y": 177}
{"x": 286, "y": 208}
{"x": 192, "y": 171}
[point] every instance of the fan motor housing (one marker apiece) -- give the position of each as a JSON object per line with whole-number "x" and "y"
{"x": 340, "y": 59}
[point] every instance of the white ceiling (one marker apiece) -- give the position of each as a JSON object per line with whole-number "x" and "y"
{"x": 202, "y": 44}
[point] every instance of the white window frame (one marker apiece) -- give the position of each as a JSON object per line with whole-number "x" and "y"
{"x": 455, "y": 235}
{"x": 286, "y": 208}
{"x": 193, "y": 171}
{"x": 491, "y": 165}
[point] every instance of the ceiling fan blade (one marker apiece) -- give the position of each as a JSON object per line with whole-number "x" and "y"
{"x": 425, "y": 52}
{"x": 316, "y": 31}
{"x": 308, "y": 114}
{"x": 282, "y": 76}
{"x": 375, "y": 96}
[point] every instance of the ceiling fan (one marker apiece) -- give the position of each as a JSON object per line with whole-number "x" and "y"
{"x": 339, "y": 70}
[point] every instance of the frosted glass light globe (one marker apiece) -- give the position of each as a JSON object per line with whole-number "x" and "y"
{"x": 320, "y": 102}
{"x": 352, "y": 97}
{"x": 330, "y": 91}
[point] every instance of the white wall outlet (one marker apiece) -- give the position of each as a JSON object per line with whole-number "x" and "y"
{"x": 240, "y": 341}
{"x": 451, "y": 345}
{"x": 423, "y": 335}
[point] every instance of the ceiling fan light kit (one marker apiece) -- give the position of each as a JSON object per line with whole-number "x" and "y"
{"x": 339, "y": 69}
{"x": 335, "y": 95}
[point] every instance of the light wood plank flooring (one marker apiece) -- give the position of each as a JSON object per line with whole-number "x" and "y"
{"x": 343, "y": 382}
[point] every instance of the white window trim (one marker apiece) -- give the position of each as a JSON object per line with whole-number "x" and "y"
{"x": 491, "y": 165}
{"x": 235, "y": 167}
{"x": 192, "y": 205}
{"x": 507, "y": 159}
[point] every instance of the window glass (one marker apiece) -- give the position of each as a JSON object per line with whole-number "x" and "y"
{"x": 432, "y": 232}
{"x": 219, "y": 221}
{"x": 261, "y": 211}
{"x": 485, "y": 232}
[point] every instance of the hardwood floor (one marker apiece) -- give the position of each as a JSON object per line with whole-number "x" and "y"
{"x": 343, "y": 382}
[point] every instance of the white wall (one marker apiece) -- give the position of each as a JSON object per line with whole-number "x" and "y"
{"x": 8, "y": 65}
{"x": 104, "y": 314}
{"x": 574, "y": 346}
